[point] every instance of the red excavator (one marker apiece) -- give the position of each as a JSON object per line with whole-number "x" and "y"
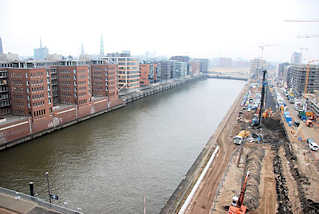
{"x": 237, "y": 206}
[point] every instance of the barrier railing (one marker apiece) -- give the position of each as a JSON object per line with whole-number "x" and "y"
{"x": 38, "y": 201}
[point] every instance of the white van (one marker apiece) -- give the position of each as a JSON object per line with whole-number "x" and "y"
{"x": 312, "y": 145}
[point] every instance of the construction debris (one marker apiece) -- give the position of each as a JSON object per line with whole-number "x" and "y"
{"x": 284, "y": 205}
{"x": 253, "y": 164}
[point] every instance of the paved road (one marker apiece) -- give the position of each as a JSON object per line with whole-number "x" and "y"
{"x": 306, "y": 131}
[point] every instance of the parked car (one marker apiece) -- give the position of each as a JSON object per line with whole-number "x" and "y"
{"x": 312, "y": 145}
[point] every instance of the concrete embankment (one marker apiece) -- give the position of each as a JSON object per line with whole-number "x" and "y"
{"x": 182, "y": 192}
{"x": 26, "y": 129}
{"x": 30, "y": 137}
{"x": 156, "y": 89}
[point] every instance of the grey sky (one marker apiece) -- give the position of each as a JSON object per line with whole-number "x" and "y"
{"x": 198, "y": 28}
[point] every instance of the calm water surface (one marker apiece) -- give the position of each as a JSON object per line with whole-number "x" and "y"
{"x": 107, "y": 164}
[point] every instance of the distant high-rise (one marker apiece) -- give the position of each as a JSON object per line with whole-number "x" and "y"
{"x": 82, "y": 49}
{"x": 41, "y": 53}
{"x": 101, "y": 46}
{"x": 1, "y": 49}
{"x": 296, "y": 78}
{"x": 296, "y": 58}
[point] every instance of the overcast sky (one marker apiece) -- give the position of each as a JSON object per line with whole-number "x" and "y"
{"x": 199, "y": 28}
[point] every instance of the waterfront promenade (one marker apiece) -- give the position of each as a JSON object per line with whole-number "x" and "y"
{"x": 12, "y": 202}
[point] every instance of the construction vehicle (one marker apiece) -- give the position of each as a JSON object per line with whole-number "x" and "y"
{"x": 237, "y": 206}
{"x": 302, "y": 115}
{"x": 254, "y": 122}
{"x": 309, "y": 123}
{"x": 267, "y": 113}
{"x": 238, "y": 139}
{"x": 310, "y": 115}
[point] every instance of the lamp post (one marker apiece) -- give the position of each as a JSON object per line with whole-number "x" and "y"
{"x": 49, "y": 191}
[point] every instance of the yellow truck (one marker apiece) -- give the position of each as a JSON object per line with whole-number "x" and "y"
{"x": 238, "y": 139}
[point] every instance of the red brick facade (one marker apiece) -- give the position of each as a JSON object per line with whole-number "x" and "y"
{"x": 148, "y": 74}
{"x": 29, "y": 92}
{"x": 104, "y": 80}
{"x": 144, "y": 72}
{"x": 31, "y": 88}
{"x": 73, "y": 84}
{"x": 195, "y": 67}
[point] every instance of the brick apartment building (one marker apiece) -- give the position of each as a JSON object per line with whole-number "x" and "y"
{"x": 48, "y": 94}
{"x": 4, "y": 92}
{"x": 104, "y": 79}
{"x": 194, "y": 67}
{"x": 148, "y": 74}
{"x": 53, "y": 84}
{"x": 73, "y": 82}
{"x": 29, "y": 92}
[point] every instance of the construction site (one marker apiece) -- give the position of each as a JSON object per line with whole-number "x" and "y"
{"x": 265, "y": 159}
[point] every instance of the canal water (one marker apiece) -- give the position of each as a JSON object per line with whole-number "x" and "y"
{"x": 109, "y": 163}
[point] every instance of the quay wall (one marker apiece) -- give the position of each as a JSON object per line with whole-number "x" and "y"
{"x": 26, "y": 129}
{"x": 155, "y": 89}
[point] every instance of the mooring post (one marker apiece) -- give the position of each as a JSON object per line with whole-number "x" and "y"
{"x": 31, "y": 187}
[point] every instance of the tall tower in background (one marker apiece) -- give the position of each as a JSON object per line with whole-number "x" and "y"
{"x": 82, "y": 50}
{"x": 1, "y": 49}
{"x": 40, "y": 53}
{"x": 296, "y": 58}
{"x": 101, "y": 46}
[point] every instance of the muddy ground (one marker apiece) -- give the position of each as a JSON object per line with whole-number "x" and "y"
{"x": 283, "y": 178}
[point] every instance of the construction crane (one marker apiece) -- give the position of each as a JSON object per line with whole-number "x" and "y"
{"x": 301, "y": 20}
{"x": 262, "y": 47}
{"x": 237, "y": 206}
{"x": 262, "y": 96}
{"x": 308, "y": 36}
{"x": 307, "y": 74}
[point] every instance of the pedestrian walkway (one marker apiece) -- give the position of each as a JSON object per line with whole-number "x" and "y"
{"x": 12, "y": 202}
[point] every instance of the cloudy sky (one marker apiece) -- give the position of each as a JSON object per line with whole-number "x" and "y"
{"x": 199, "y": 28}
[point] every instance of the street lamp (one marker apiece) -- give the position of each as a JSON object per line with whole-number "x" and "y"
{"x": 51, "y": 196}
{"x": 49, "y": 191}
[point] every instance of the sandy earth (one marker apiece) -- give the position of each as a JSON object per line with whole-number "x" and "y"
{"x": 287, "y": 163}
{"x": 205, "y": 195}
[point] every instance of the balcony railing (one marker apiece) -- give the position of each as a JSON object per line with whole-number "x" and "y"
{"x": 4, "y": 105}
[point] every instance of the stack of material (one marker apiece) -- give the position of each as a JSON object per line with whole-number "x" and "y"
{"x": 253, "y": 164}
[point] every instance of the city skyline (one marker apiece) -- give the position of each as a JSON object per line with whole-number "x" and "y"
{"x": 201, "y": 29}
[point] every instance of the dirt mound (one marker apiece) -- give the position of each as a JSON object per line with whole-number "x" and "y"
{"x": 308, "y": 206}
{"x": 284, "y": 205}
{"x": 253, "y": 164}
